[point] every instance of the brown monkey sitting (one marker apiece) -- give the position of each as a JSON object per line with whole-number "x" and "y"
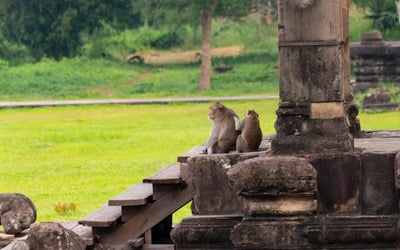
{"x": 224, "y": 130}
{"x": 250, "y": 138}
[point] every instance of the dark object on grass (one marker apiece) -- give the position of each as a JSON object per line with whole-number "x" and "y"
{"x": 223, "y": 69}
{"x": 17, "y": 212}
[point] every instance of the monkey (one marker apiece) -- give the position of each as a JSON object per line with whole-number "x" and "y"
{"x": 251, "y": 135}
{"x": 224, "y": 130}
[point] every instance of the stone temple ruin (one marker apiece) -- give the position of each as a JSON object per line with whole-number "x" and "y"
{"x": 375, "y": 61}
{"x": 319, "y": 187}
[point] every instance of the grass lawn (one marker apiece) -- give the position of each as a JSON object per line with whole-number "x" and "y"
{"x": 82, "y": 78}
{"x": 87, "y": 155}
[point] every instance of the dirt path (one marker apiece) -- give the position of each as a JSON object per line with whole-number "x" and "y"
{"x": 107, "y": 91}
{"x": 186, "y": 56}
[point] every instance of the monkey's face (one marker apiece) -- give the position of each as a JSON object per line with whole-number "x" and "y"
{"x": 216, "y": 110}
{"x": 211, "y": 115}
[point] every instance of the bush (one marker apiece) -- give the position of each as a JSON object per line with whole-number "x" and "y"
{"x": 3, "y": 64}
{"x": 117, "y": 45}
{"x": 13, "y": 53}
{"x": 167, "y": 41}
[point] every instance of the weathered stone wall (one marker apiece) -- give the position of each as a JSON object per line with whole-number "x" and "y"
{"x": 375, "y": 61}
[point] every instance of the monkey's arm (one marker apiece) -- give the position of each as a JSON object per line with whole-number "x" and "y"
{"x": 238, "y": 126}
{"x": 211, "y": 142}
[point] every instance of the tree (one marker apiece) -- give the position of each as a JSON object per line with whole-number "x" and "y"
{"x": 398, "y": 10}
{"x": 199, "y": 12}
{"x": 53, "y": 28}
{"x": 382, "y": 12}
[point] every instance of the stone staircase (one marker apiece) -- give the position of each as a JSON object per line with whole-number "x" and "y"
{"x": 140, "y": 217}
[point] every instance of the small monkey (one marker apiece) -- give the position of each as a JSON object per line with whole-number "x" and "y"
{"x": 250, "y": 138}
{"x": 224, "y": 130}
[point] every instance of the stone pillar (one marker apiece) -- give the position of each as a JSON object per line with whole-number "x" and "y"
{"x": 314, "y": 77}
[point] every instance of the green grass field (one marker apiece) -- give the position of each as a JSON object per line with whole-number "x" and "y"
{"x": 86, "y": 155}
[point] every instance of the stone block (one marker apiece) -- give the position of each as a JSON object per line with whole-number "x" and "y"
{"x": 289, "y": 125}
{"x": 270, "y": 233}
{"x": 213, "y": 193}
{"x": 323, "y": 20}
{"x": 397, "y": 173}
{"x": 275, "y": 185}
{"x": 326, "y": 127}
{"x": 205, "y": 232}
{"x": 378, "y": 194}
{"x": 318, "y": 232}
{"x": 311, "y": 74}
{"x": 51, "y": 235}
{"x": 352, "y": 231}
{"x": 294, "y": 109}
{"x": 296, "y": 144}
{"x": 327, "y": 110}
{"x": 339, "y": 177}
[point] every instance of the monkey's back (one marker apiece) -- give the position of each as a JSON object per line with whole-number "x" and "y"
{"x": 252, "y": 134}
{"x": 227, "y": 138}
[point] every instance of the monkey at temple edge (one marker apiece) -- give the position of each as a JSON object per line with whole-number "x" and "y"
{"x": 250, "y": 138}
{"x": 224, "y": 130}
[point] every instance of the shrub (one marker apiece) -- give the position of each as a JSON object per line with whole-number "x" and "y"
{"x": 3, "y": 64}
{"x": 13, "y": 53}
{"x": 117, "y": 45}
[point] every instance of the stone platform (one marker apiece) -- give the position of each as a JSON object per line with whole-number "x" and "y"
{"x": 260, "y": 200}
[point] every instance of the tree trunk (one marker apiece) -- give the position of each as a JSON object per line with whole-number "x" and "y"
{"x": 398, "y": 10}
{"x": 205, "y": 76}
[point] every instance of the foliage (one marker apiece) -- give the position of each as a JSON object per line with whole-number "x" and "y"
{"x": 253, "y": 73}
{"x": 3, "y": 64}
{"x": 53, "y": 28}
{"x": 13, "y": 52}
{"x": 68, "y": 78}
{"x": 64, "y": 208}
{"x": 382, "y": 12}
{"x": 176, "y": 13}
{"x": 108, "y": 42}
{"x": 358, "y": 23}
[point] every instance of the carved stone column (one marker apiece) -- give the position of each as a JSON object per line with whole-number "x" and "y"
{"x": 314, "y": 77}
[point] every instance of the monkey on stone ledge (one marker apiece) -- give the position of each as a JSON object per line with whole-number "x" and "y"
{"x": 224, "y": 130}
{"x": 250, "y": 138}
